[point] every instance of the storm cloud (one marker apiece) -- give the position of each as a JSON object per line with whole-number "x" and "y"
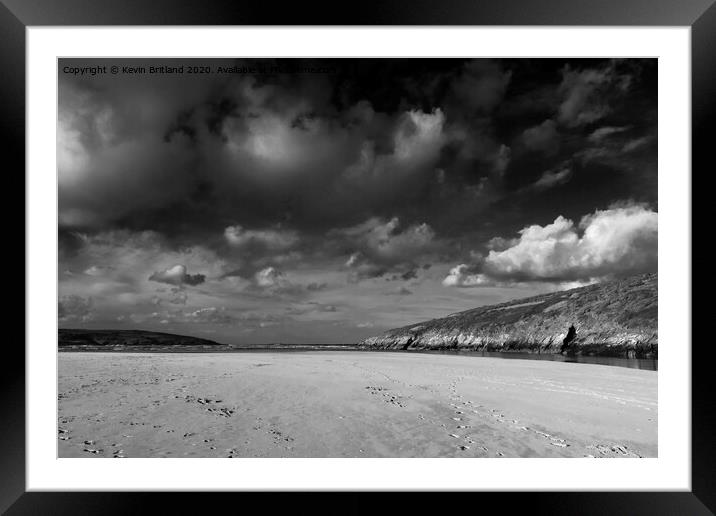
{"x": 232, "y": 202}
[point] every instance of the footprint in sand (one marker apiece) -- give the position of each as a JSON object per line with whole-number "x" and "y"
{"x": 554, "y": 441}
{"x": 613, "y": 450}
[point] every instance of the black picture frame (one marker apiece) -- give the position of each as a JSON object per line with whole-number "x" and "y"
{"x": 700, "y": 15}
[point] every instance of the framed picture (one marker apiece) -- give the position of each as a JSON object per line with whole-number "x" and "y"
{"x": 416, "y": 248}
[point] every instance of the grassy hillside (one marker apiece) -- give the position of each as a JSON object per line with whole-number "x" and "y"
{"x": 129, "y": 339}
{"x": 615, "y": 318}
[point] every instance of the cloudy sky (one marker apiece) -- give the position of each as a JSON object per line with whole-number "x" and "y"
{"x": 290, "y": 206}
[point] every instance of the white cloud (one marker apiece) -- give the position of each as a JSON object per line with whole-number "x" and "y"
{"x": 272, "y": 281}
{"x": 208, "y": 315}
{"x": 270, "y": 277}
{"x": 618, "y": 241}
{"x": 177, "y": 275}
{"x": 636, "y": 144}
{"x": 460, "y": 276}
{"x": 272, "y": 239}
{"x": 553, "y": 178}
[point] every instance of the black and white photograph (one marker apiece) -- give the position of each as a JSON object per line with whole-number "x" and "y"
{"x": 357, "y": 257}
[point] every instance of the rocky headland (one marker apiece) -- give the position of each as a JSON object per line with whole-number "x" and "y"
{"x": 131, "y": 340}
{"x": 613, "y": 318}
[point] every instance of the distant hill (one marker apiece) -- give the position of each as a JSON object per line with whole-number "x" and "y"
{"x": 614, "y": 318}
{"x": 129, "y": 339}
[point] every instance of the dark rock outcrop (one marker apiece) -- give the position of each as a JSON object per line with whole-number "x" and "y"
{"x": 614, "y": 318}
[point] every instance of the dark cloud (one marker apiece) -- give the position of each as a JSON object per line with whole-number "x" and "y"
{"x": 72, "y": 308}
{"x": 411, "y": 274}
{"x": 587, "y": 94}
{"x": 401, "y": 291}
{"x": 480, "y": 86}
{"x": 543, "y": 137}
{"x": 176, "y": 296}
{"x": 379, "y": 246}
{"x": 269, "y": 157}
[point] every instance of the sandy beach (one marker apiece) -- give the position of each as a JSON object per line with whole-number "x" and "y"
{"x": 350, "y": 404}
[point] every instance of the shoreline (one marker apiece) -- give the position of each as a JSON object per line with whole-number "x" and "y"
{"x": 604, "y": 360}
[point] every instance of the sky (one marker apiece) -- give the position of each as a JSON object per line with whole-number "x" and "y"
{"x": 327, "y": 200}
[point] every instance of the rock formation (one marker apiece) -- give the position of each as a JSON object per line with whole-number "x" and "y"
{"x": 613, "y": 318}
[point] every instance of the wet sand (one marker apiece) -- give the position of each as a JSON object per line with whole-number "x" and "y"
{"x": 350, "y": 404}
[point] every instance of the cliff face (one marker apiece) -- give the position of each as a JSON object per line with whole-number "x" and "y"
{"x": 615, "y": 318}
{"x": 130, "y": 339}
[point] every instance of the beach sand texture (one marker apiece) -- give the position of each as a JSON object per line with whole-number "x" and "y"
{"x": 350, "y": 404}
